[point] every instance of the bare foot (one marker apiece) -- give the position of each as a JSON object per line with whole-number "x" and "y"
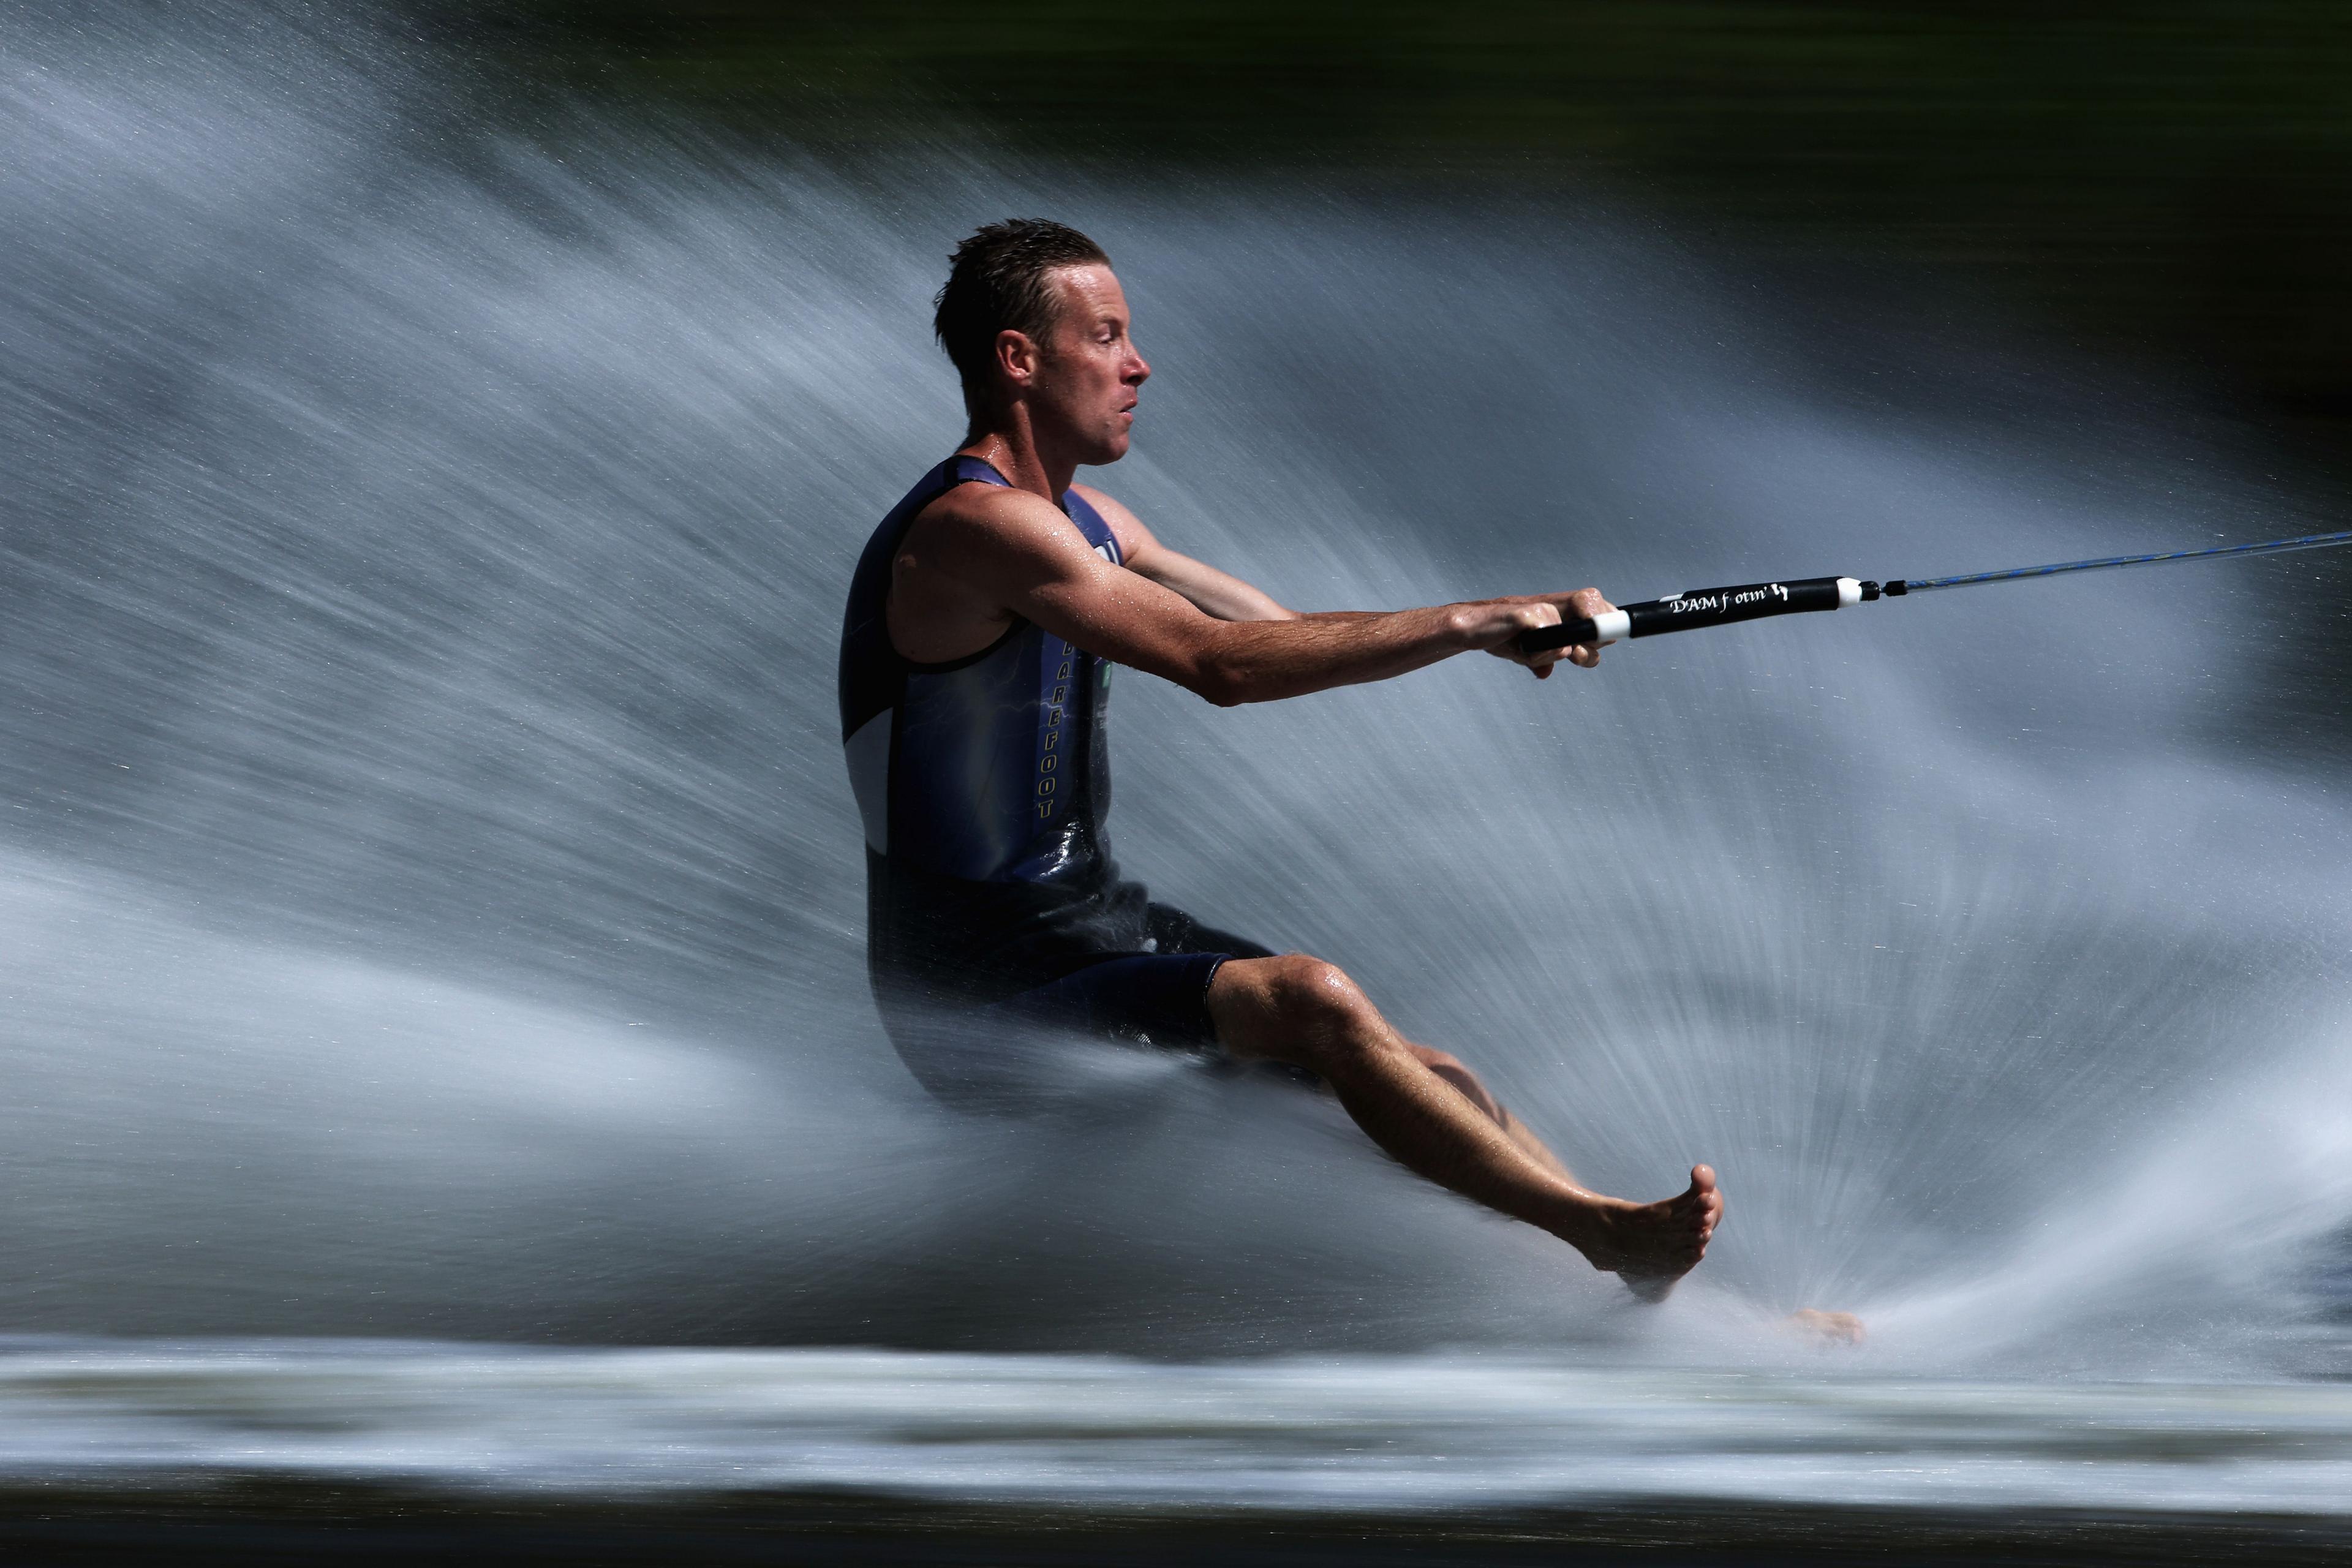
{"x": 1825, "y": 1328}
{"x": 1652, "y": 1246}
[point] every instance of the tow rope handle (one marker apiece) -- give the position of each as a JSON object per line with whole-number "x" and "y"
{"x": 1703, "y": 607}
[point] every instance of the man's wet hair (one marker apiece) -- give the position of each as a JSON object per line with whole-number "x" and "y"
{"x": 996, "y": 281}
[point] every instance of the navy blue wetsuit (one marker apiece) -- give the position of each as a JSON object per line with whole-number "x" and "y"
{"x": 992, "y": 902}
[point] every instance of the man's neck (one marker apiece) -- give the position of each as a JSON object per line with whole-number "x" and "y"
{"x": 1012, "y": 448}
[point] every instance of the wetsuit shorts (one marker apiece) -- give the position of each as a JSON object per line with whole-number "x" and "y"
{"x": 1158, "y": 997}
{"x": 1014, "y": 1051}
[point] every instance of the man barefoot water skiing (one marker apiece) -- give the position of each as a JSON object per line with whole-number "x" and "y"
{"x": 985, "y": 614}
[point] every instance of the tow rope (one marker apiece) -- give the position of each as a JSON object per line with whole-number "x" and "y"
{"x": 1754, "y": 600}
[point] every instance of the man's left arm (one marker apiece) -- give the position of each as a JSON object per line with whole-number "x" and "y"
{"x": 1212, "y": 592}
{"x": 1225, "y": 597}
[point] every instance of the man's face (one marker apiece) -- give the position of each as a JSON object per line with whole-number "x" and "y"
{"x": 1087, "y": 370}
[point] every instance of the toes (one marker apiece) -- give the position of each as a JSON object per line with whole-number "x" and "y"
{"x": 1828, "y": 1328}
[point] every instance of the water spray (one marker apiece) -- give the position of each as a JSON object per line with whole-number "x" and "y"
{"x": 1754, "y": 600}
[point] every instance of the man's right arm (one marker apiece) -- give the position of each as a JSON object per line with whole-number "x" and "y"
{"x": 1019, "y": 552}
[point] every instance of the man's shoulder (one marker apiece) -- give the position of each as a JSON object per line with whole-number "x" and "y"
{"x": 978, "y": 502}
{"x": 993, "y": 520}
{"x": 991, "y": 510}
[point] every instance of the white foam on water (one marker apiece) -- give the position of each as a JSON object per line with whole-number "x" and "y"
{"x": 1369, "y": 1436}
{"x": 433, "y": 907}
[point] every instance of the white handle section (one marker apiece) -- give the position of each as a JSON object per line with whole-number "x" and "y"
{"x": 1849, "y": 593}
{"x": 1612, "y": 626}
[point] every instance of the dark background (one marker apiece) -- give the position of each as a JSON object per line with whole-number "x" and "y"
{"x": 2174, "y": 179}
{"x": 2166, "y": 186}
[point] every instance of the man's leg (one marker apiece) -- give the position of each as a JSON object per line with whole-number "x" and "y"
{"x": 1809, "y": 1323}
{"x": 1453, "y": 1071}
{"x": 1434, "y": 1117}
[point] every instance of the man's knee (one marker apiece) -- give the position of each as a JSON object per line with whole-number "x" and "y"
{"x": 1297, "y": 1008}
{"x": 1304, "y": 990}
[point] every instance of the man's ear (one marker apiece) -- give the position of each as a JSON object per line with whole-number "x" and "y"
{"x": 1016, "y": 356}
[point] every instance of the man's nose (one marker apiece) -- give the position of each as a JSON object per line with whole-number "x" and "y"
{"x": 1138, "y": 372}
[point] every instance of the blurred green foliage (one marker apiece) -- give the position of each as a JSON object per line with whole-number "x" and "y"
{"x": 2176, "y": 176}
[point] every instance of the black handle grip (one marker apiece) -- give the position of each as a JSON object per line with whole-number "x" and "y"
{"x": 1568, "y": 634}
{"x": 1705, "y": 608}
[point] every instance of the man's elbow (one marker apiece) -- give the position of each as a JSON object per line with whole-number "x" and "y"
{"x": 1222, "y": 690}
{"x": 1219, "y": 683}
